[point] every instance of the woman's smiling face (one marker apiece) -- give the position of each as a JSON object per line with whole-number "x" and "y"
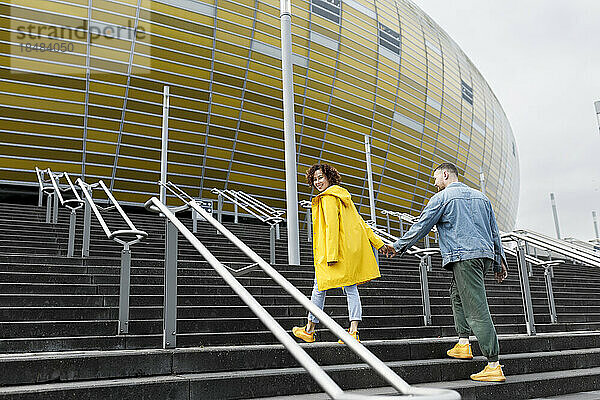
{"x": 320, "y": 181}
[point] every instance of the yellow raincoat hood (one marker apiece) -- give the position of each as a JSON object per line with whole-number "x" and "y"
{"x": 342, "y": 238}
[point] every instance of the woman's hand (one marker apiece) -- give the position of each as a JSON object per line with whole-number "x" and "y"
{"x": 388, "y": 250}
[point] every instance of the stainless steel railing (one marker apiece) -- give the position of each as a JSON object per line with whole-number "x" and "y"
{"x": 328, "y": 385}
{"x": 524, "y": 262}
{"x": 569, "y": 250}
{"x": 52, "y": 187}
{"x": 125, "y": 237}
{"x": 424, "y": 256}
{"x": 256, "y": 208}
{"x": 308, "y": 205}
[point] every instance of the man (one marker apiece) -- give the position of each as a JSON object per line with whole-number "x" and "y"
{"x": 470, "y": 246}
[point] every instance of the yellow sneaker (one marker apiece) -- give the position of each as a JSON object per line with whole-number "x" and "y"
{"x": 300, "y": 332}
{"x": 490, "y": 374}
{"x": 354, "y": 335}
{"x": 461, "y": 351}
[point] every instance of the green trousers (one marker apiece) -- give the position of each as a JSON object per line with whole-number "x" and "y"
{"x": 470, "y": 306}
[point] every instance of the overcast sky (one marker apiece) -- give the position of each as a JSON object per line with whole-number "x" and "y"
{"x": 542, "y": 60}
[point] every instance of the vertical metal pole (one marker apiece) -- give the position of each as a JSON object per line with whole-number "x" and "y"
{"x": 220, "y": 208}
{"x": 387, "y": 222}
{"x": 428, "y": 258}
{"x": 401, "y": 227}
{"x": 165, "y": 145}
{"x": 555, "y": 214}
{"x": 277, "y": 232}
{"x": 124, "y": 290}
{"x": 40, "y": 197}
{"x": 595, "y": 219}
{"x": 529, "y": 265}
{"x": 309, "y": 224}
{"x": 170, "y": 304}
{"x": 49, "y": 201}
{"x": 272, "y": 245}
{"x": 71, "y": 246}
{"x": 235, "y": 211}
{"x": 526, "y": 291}
{"x": 55, "y": 209}
{"x": 291, "y": 183}
{"x": 87, "y": 225}
{"x": 550, "y": 293}
{"x": 194, "y": 221}
{"x": 370, "y": 178}
{"x": 425, "y": 291}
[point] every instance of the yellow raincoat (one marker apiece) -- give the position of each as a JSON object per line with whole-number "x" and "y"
{"x": 340, "y": 235}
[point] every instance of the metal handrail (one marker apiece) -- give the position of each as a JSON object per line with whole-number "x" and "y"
{"x": 255, "y": 207}
{"x": 548, "y": 275}
{"x": 589, "y": 246}
{"x": 317, "y": 373}
{"x": 125, "y": 237}
{"x": 45, "y": 187}
{"x": 308, "y": 205}
{"x": 54, "y": 177}
{"x": 556, "y": 246}
{"x": 424, "y": 256}
{"x": 51, "y": 187}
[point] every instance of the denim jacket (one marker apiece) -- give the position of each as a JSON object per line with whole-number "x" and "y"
{"x": 466, "y": 226}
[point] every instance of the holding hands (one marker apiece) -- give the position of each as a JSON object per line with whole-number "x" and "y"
{"x": 388, "y": 250}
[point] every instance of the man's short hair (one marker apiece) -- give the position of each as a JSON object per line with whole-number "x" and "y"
{"x": 448, "y": 167}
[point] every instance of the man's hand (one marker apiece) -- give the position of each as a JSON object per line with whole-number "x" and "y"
{"x": 500, "y": 276}
{"x": 388, "y": 250}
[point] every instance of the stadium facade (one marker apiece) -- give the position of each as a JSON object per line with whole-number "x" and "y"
{"x": 82, "y": 84}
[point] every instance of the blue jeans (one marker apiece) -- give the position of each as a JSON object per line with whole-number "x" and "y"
{"x": 352, "y": 296}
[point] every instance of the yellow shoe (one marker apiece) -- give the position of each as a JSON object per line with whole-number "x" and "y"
{"x": 300, "y": 332}
{"x": 490, "y": 374}
{"x": 354, "y": 335}
{"x": 461, "y": 351}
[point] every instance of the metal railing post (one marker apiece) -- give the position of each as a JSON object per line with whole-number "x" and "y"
{"x": 194, "y": 221}
{"x": 428, "y": 259}
{"x": 387, "y": 222}
{"x": 526, "y": 291}
{"x": 40, "y": 196}
{"x": 124, "y": 290}
{"x": 272, "y": 245}
{"x": 49, "y": 201}
{"x": 235, "y": 209}
{"x": 425, "y": 291}
{"x": 170, "y": 302}
{"x": 220, "y": 208}
{"x": 277, "y": 232}
{"x": 550, "y": 293}
{"x": 71, "y": 245}
{"x": 55, "y": 208}
{"x": 87, "y": 225}
{"x": 401, "y": 226}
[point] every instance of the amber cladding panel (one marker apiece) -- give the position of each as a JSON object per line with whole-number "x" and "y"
{"x": 90, "y": 101}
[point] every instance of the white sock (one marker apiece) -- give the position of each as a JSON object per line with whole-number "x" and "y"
{"x": 494, "y": 364}
{"x": 462, "y": 341}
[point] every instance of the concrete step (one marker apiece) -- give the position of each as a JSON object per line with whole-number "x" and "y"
{"x": 255, "y": 371}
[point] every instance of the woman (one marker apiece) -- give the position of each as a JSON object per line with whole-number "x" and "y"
{"x": 342, "y": 249}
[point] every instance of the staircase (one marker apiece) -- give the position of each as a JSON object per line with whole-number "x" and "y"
{"x": 58, "y": 322}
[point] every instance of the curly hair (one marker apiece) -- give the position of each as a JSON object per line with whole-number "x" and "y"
{"x": 332, "y": 174}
